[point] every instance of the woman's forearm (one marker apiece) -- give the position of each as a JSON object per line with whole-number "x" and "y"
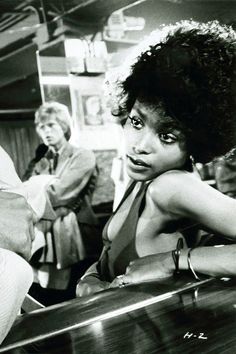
{"x": 214, "y": 260}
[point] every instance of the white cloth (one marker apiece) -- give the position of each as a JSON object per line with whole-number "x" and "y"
{"x": 32, "y": 190}
{"x": 16, "y": 277}
{"x": 35, "y": 192}
{"x": 8, "y": 175}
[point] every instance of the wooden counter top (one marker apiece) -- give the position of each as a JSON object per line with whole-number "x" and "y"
{"x": 174, "y": 316}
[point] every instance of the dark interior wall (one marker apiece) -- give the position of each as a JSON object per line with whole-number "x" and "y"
{"x": 19, "y": 139}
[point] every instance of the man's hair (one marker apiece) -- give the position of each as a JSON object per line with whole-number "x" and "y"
{"x": 191, "y": 75}
{"x": 61, "y": 113}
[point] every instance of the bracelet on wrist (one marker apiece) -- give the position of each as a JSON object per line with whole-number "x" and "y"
{"x": 176, "y": 255}
{"x": 190, "y": 266}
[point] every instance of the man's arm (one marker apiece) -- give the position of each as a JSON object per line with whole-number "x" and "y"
{"x": 16, "y": 224}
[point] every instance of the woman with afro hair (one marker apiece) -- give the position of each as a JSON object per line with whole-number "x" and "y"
{"x": 177, "y": 105}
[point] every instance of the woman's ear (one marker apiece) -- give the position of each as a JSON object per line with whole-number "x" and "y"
{"x": 189, "y": 163}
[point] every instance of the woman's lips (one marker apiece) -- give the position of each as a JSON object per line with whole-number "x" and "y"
{"x": 138, "y": 162}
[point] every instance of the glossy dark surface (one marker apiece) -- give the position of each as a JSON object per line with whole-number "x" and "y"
{"x": 181, "y": 318}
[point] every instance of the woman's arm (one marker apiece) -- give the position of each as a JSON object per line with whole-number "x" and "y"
{"x": 214, "y": 261}
{"x": 182, "y": 195}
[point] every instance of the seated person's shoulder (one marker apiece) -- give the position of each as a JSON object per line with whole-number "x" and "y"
{"x": 8, "y": 175}
{"x": 169, "y": 185}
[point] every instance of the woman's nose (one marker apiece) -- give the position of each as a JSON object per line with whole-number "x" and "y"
{"x": 144, "y": 144}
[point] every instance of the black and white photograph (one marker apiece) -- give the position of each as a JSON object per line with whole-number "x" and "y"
{"x": 117, "y": 176}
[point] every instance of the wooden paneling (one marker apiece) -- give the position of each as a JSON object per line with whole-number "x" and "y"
{"x": 19, "y": 139}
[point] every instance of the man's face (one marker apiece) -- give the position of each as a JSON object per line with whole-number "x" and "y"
{"x": 50, "y": 131}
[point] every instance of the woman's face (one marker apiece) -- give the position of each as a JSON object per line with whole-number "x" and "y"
{"x": 152, "y": 147}
{"x": 51, "y": 132}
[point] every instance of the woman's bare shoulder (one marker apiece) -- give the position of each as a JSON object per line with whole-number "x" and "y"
{"x": 168, "y": 185}
{"x": 173, "y": 179}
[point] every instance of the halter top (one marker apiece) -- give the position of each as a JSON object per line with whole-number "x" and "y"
{"x": 118, "y": 253}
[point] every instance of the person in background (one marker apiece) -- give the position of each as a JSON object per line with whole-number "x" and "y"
{"x": 16, "y": 236}
{"x": 225, "y": 173}
{"x": 221, "y": 173}
{"x": 177, "y": 105}
{"x": 65, "y": 240}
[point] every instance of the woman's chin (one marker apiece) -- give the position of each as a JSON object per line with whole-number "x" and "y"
{"x": 137, "y": 176}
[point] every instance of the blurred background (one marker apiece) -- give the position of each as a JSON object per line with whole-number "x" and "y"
{"x": 62, "y": 50}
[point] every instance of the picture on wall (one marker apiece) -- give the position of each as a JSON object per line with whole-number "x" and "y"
{"x": 92, "y": 109}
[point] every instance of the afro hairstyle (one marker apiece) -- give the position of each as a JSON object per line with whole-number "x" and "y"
{"x": 191, "y": 74}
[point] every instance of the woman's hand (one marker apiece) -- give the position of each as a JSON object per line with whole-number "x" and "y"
{"x": 148, "y": 268}
{"x": 90, "y": 285}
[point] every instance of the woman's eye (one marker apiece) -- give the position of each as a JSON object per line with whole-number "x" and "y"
{"x": 168, "y": 138}
{"x": 136, "y": 122}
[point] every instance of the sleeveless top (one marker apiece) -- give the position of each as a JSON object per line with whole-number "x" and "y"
{"x": 118, "y": 253}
